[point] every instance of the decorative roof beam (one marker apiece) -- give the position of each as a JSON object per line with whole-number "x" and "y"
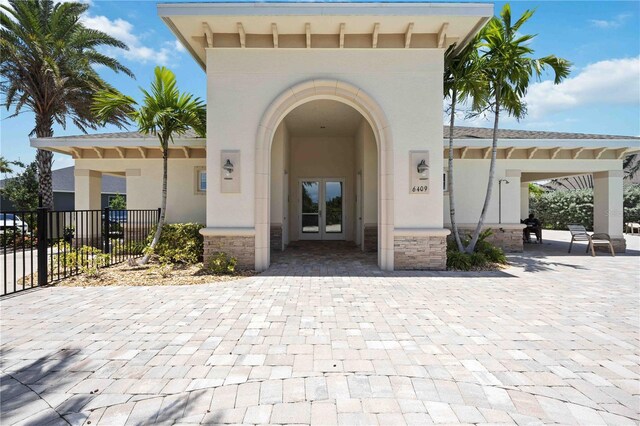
{"x": 274, "y": 30}
{"x": 576, "y": 152}
{"x": 242, "y": 35}
{"x": 186, "y": 151}
{"x": 208, "y": 34}
{"x": 463, "y": 152}
{"x": 374, "y": 37}
{"x": 76, "y": 152}
{"x": 555, "y": 152}
{"x": 121, "y": 151}
{"x": 307, "y": 29}
{"x": 487, "y": 153}
{"x": 143, "y": 152}
{"x": 598, "y": 153}
{"x": 510, "y": 152}
{"x": 442, "y": 34}
{"x": 342, "y": 35}
{"x": 99, "y": 151}
{"x": 531, "y": 152}
{"x": 620, "y": 153}
{"x": 407, "y": 36}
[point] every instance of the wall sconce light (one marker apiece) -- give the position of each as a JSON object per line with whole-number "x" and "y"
{"x": 228, "y": 169}
{"x": 423, "y": 168}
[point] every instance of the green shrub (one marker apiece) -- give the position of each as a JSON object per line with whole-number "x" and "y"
{"x": 631, "y": 203}
{"x": 458, "y": 261}
{"x": 495, "y": 255}
{"x": 86, "y": 258}
{"x": 222, "y": 264}
{"x": 179, "y": 243}
{"x": 134, "y": 248}
{"x": 478, "y": 260}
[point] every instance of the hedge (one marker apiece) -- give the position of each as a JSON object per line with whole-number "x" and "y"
{"x": 557, "y": 209}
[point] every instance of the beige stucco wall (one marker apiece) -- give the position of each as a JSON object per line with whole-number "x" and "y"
{"x": 406, "y": 84}
{"x": 144, "y": 185}
{"x": 471, "y": 176}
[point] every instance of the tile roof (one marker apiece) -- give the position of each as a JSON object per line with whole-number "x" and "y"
{"x": 459, "y": 132}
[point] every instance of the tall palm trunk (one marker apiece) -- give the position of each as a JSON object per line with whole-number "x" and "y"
{"x": 163, "y": 205}
{"x": 492, "y": 172}
{"x": 44, "y": 129}
{"x": 452, "y": 205}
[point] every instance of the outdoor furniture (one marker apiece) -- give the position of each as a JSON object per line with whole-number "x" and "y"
{"x": 531, "y": 229}
{"x": 632, "y": 227}
{"x": 579, "y": 233}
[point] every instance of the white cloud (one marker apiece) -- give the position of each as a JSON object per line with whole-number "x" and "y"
{"x": 61, "y": 161}
{"x": 124, "y": 31}
{"x": 616, "y": 22}
{"x": 610, "y": 82}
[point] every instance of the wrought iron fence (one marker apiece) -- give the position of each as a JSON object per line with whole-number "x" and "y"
{"x": 44, "y": 246}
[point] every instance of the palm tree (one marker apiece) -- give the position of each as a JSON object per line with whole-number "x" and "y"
{"x": 6, "y": 165}
{"x": 509, "y": 69}
{"x": 46, "y": 64}
{"x": 463, "y": 80}
{"x": 165, "y": 113}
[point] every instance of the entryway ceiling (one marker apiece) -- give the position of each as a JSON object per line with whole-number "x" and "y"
{"x": 323, "y": 118}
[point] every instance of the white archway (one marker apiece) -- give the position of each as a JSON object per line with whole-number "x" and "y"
{"x": 277, "y": 111}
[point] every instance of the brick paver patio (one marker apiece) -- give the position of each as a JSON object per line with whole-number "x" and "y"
{"x": 551, "y": 339}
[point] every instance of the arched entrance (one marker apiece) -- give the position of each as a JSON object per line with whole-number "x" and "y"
{"x": 292, "y": 98}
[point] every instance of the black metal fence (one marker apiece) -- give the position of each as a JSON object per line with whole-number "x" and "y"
{"x": 44, "y": 246}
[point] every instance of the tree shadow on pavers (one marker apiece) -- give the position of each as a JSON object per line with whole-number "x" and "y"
{"x": 28, "y": 393}
{"x": 539, "y": 264}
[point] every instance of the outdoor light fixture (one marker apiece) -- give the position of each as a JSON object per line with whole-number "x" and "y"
{"x": 228, "y": 169}
{"x": 423, "y": 168}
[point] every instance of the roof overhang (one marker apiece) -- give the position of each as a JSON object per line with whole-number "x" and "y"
{"x": 544, "y": 149}
{"x": 199, "y": 26}
{"x": 120, "y": 148}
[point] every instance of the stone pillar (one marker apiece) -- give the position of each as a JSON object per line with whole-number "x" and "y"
{"x": 524, "y": 200}
{"x": 420, "y": 249}
{"x": 235, "y": 242}
{"x": 607, "y": 206}
{"x": 88, "y": 189}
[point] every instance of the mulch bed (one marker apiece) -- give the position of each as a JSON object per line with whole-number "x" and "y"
{"x": 151, "y": 274}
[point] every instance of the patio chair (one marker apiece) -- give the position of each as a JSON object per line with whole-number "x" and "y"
{"x": 579, "y": 233}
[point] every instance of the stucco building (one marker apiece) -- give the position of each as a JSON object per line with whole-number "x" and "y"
{"x": 324, "y": 122}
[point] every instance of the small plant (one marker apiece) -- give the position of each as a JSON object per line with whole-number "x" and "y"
{"x": 92, "y": 267}
{"x": 68, "y": 234}
{"x": 164, "y": 270}
{"x": 222, "y": 264}
{"x": 118, "y": 203}
{"x": 457, "y": 260}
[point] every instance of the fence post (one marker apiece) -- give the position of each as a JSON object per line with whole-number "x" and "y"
{"x": 106, "y": 229}
{"x": 42, "y": 246}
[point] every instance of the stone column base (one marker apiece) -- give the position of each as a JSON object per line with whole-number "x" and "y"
{"x": 242, "y": 247}
{"x": 420, "y": 252}
{"x": 619, "y": 246}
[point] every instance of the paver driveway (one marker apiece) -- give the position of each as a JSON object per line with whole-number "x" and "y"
{"x": 559, "y": 344}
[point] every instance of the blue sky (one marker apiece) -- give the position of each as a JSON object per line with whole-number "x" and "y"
{"x": 601, "y": 38}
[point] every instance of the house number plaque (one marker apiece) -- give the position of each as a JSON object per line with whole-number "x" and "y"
{"x": 419, "y": 172}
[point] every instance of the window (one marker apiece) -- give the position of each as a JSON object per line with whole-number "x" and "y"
{"x": 445, "y": 184}
{"x": 201, "y": 180}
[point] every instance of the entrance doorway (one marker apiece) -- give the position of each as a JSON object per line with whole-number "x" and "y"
{"x": 322, "y": 209}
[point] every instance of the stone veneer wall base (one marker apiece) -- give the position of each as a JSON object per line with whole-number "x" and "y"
{"x": 242, "y": 247}
{"x": 508, "y": 239}
{"x": 420, "y": 252}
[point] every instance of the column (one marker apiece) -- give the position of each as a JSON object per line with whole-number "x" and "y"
{"x": 88, "y": 215}
{"x": 524, "y": 200}
{"x": 607, "y": 206}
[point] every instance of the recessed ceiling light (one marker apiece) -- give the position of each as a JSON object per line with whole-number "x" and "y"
{"x": 323, "y": 127}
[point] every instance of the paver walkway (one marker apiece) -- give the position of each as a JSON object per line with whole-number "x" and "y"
{"x": 552, "y": 339}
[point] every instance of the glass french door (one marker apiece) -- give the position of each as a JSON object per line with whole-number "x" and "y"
{"x": 322, "y": 209}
